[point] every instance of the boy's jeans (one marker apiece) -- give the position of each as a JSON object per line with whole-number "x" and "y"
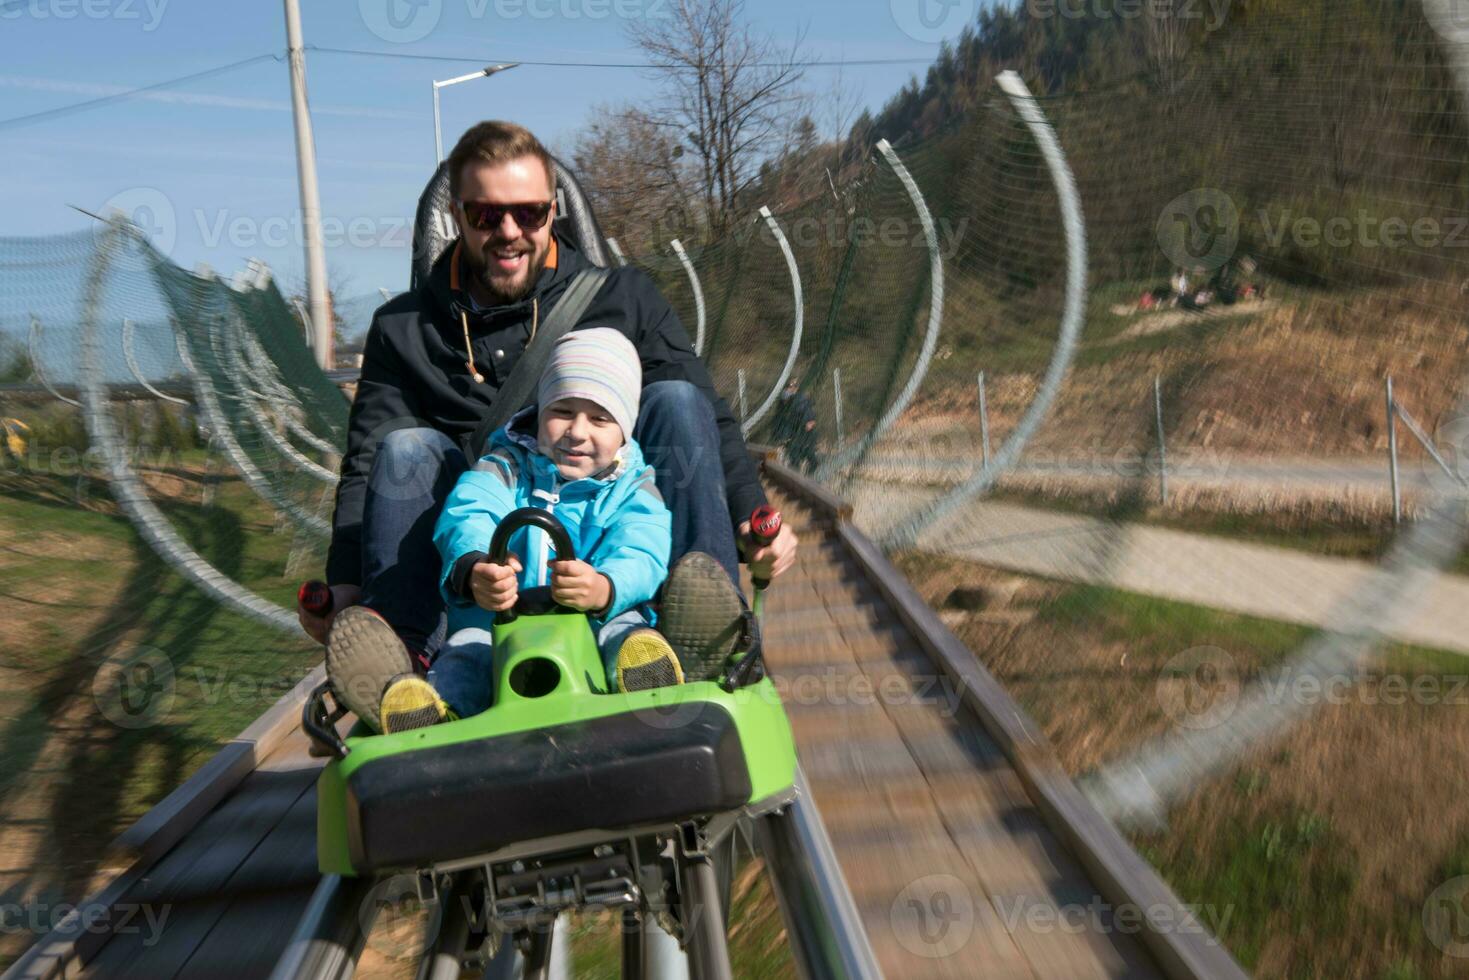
{"x": 414, "y": 470}
{"x": 461, "y": 672}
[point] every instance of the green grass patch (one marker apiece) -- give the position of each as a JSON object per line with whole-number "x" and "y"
{"x": 190, "y": 674}
{"x": 1274, "y": 871}
{"x": 1161, "y": 626}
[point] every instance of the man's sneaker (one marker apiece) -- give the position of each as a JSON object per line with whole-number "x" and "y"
{"x": 702, "y": 616}
{"x": 646, "y": 661}
{"x": 363, "y": 656}
{"x": 411, "y": 702}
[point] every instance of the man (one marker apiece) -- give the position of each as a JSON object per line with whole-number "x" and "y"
{"x": 795, "y": 427}
{"x": 433, "y": 362}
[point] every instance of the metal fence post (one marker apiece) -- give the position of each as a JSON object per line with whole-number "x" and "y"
{"x": 1392, "y": 454}
{"x": 1162, "y": 444}
{"x": 984, "y": 424}
{"x": 836, "y": 394}
{"x": 741, "y": 375}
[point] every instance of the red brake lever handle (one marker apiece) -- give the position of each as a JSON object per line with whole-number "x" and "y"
{"x": 315, "y": 597}
{"x": 764, "y": 527}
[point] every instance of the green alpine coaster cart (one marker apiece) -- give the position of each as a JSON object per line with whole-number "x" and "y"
{"x": 562, "y": 795}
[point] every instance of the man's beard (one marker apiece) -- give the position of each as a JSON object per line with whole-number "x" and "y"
{"x": 500, "y": 291}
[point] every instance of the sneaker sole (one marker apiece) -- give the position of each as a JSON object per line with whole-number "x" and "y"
{"x": 702, "y": 617}
{"x": 411, "y": 702}
{"x": 363, "y": 656}
{"x": 646, "y": 661}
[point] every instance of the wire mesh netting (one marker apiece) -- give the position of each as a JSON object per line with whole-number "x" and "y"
{"x": 167, "y": 480}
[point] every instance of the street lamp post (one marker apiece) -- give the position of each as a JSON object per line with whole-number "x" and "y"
{"x": 485, "y": 72}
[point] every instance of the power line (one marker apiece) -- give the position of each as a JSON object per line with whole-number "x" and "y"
{"x": 130, "y": 93}
{"x": 644, "y": 65}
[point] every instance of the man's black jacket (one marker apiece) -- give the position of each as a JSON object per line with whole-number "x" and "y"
{"x": 414, "y": 373}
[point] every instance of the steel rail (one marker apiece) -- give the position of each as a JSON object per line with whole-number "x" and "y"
{"x": 263, "y": 372}
{"x": 799, "y": 302}
{"x": 1072, "y": 320}
{"x": 825, "y": 928}
{"x": 219, "y": 428}
{"x": 132, "y": 363}
{"x": 935, "y": 316}
{"x": 132, "y": 497}
{"x": 700, "y": 314}
{"x": 249, "y": 401}
{"x": 36, "y": 368}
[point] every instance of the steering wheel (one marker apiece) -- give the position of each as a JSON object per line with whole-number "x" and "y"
{"x": 535, "y": 601}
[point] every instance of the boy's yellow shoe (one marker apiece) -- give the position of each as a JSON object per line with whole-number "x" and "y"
{"x": 647, "y": 661}
{"x": 411, "y": 702}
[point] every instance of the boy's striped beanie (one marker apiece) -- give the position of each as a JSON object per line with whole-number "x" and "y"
{"x": 599, "y": 364}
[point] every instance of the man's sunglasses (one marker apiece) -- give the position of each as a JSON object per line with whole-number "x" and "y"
{"x": 484, "y": 216}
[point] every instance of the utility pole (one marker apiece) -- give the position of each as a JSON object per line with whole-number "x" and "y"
{"x": 316, "y": 292}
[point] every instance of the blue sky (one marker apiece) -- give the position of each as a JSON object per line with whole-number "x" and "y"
{"x": 210, "y": 164}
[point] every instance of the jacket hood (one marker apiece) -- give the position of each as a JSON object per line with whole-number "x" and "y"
{"x": 446, "y": 287}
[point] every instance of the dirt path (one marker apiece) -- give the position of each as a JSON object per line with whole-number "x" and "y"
{"x": 1152, "y": 323}
{"x": 1254, "y": 579}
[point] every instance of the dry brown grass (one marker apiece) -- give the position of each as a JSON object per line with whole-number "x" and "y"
{"x": 1296, "y": 506}
{"x": 1304, "y": 378}
{"x": 1389, "y": 783}
{"x": 1322, "y": 847}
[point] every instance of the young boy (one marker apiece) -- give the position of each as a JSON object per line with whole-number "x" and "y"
{"x": 574, "y": 455}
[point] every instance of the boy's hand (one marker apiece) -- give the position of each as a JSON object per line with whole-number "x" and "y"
{"x": 496, "y": 587}
{"x": 577, "y": 585}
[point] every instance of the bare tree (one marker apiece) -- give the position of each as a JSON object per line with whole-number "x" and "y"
{"x": 729, "y": 94}
{"x": 638, "y": 178}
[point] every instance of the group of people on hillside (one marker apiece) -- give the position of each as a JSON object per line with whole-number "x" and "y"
{"x": 1192, "y": 290}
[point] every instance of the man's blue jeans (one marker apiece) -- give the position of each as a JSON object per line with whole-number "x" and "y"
{"x": 414, "y": 470}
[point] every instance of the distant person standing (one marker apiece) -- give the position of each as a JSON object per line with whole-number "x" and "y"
{"x": 1180, "y": 287}
{"x": 795, "y": 428}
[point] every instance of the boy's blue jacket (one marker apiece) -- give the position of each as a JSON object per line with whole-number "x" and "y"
{"x": 618, "y": 524}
